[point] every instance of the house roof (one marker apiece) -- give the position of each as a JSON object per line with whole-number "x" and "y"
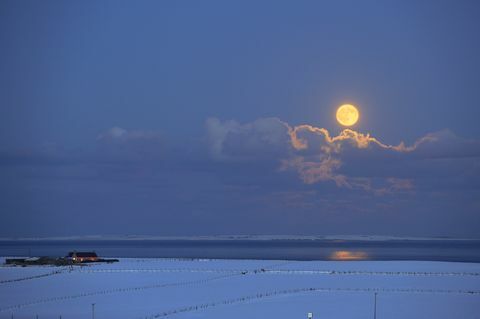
{"x": 83, "y": 254}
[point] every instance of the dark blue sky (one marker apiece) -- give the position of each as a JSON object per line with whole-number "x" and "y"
{"x": 173, "y": 118}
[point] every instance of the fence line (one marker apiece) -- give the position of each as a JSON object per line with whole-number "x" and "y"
{"x": 56, "y": 272}
{"x": 281, "y": 272}
{"x": 114, "y": 290}
{"x": 303, "y": 290}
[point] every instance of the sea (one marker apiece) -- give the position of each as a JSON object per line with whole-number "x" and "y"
{"x": 455, "y": 250}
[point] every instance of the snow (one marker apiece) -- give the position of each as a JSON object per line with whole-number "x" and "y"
{"x": 176, "y": 288}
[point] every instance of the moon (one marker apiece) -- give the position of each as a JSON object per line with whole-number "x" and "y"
{"x": 347, "y": 115}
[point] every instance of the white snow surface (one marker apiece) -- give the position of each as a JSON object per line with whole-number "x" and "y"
{"x": 177, "y": 288}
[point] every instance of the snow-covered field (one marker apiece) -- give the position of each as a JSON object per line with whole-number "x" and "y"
{"x": 159, "y": 288}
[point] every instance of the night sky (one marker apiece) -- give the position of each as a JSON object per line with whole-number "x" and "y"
{"x": 185, "y": 118}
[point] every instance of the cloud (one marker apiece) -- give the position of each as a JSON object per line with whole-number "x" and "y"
{"x": 119, "y": 144}
{"x": 312, "y": 152}
{"x": 118, "y": 134}
{"x": 270, "y": 153}
{"x": 324, "y": 159}
{"x": 319, "y": 169}
{"x": 263, "y": 138}
{"x": 449, "y": 145}
{"x": 357, "y": 139}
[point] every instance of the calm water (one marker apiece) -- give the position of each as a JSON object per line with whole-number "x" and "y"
{"x": 321, "y": 249}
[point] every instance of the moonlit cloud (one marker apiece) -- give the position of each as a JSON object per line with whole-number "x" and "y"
{"x": 316, "y": 170}
{"x": 325, "y": 161}
{"x": 312, "y": 152}
{"x": 357, "y": 139}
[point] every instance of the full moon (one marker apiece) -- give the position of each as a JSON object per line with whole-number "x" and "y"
{"x": 347, "y": 115}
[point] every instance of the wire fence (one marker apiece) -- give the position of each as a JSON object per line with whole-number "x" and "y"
{"x": 204, "y": 306}
{"x": 52, "y": 273}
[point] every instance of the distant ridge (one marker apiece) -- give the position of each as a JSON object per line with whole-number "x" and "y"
{"x": 233, "y": 237}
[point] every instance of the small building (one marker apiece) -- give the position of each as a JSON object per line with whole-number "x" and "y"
{"x": 82, "y": 256}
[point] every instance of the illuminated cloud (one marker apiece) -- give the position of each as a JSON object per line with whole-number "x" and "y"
{"x": 312, "y": 171}
{"x": 312, "y": 152}
{"x": 357, "y": 139}
{"x": 325, "y": 161}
